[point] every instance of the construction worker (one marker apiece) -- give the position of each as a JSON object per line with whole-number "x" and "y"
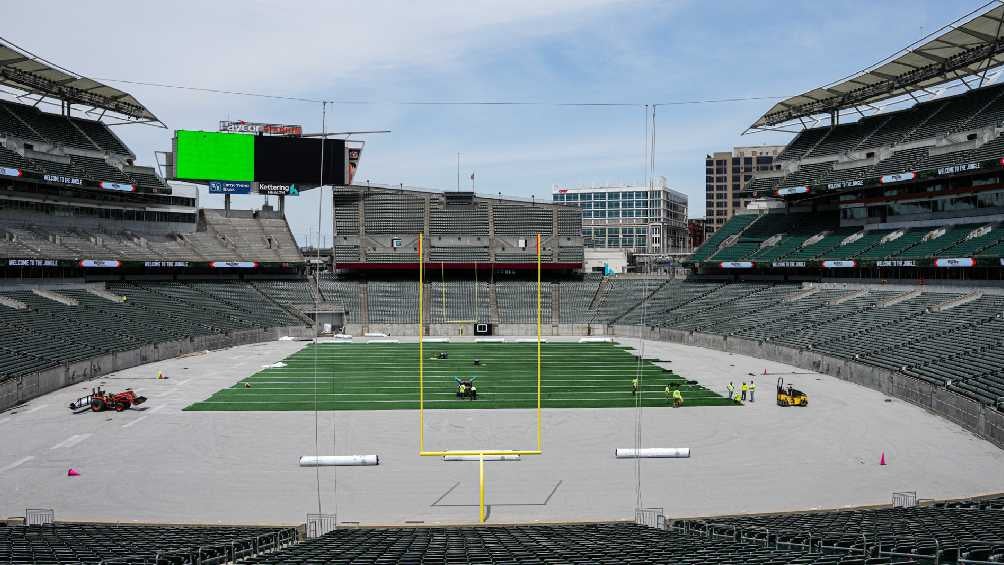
{"x": 634, "y": 386}
{"x": 677, "y": 398}
{"x": 752, "y": 391}
{"x": 460, "y": 390}
{"x": 744, "y": 388}
{"x": 736, "y": 398}
{"x": 474, "y": 391}
{"x": 732, "y": 389}
{"x": 669, "y": 393}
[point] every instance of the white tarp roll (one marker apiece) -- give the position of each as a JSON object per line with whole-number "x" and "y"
{"x": 595, "y": 340}
{"x": 339, "y": 460}
{"x": 478, "y": 458}
{"x": 652, "y": 452}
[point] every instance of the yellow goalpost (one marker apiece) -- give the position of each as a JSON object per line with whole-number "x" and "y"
{"x": 480, "y": 453}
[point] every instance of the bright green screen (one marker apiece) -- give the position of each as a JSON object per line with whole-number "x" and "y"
{"x": 208, "y": 155}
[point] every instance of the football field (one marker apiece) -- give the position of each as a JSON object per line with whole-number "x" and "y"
{"x": 384, "y": 376}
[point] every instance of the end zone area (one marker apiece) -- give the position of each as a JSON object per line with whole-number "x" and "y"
{"x": 384, "y": 376}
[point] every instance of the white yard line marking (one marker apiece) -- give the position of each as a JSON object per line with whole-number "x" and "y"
{"x": 143, "y": 417}
{"x": 16, "y": 464}
{"x": 37, "y": 408}
{"x": 71, "y": 441}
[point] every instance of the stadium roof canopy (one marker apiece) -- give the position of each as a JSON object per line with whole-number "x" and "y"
{"x": 30, "y": 74}
{"x": 958, "y": 50}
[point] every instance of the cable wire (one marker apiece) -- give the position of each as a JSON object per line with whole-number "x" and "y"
{"x": 317, "y": 469}
{"x": 336, "y": 101}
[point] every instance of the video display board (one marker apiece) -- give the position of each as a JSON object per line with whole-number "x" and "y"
{"x": 202, "y": 156}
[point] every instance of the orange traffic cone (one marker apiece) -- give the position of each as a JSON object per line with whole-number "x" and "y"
{"x": 882, "y": 460}
{"x": 73, "y": 473}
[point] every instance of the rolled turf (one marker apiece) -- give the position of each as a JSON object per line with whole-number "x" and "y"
{"x": 384, "y": 376}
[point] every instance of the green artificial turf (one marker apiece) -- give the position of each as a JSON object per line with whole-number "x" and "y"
{"x": 384, "y": 376}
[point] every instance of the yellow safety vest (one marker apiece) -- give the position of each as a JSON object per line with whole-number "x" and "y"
{"x": 677, "y": 394}
{"x": 745, "y": 388}
{"x": 752, "y": 386}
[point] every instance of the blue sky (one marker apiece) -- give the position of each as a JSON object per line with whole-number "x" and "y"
{"x": 384, "y": 52}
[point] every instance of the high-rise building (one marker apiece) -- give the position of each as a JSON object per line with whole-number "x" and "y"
{"x": 639, "y": 219}
{"x": 726, "y": 173}
{"x": 698, "y": 231}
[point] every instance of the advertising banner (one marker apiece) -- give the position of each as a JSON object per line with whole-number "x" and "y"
{"x": 736, "y": 264}
{"x": 956, "y": 169}
{"x": 840, "y": 264}
{"x": 63, "y": 179}
{"x": 788, "y": 191}
{"x": 229, "y": 187}
{"x": 32, "y": 263}
{"x": 240, "y": 126}
{"x": 354, "y": 154}
{"x": 100, "y": 263}
{"x": 119, "y": 186}
{"x": 276, "y": 189}
{"x": 955, "y": 262}
{"x": 839, "y": 185}
{"x": 898, "y": 177}
{"x": 233, "y": 264}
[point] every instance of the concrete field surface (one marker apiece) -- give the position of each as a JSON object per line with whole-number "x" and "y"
{"x": 158, "y": 463}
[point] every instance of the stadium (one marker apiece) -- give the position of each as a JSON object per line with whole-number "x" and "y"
{"x": 822, "y": 381}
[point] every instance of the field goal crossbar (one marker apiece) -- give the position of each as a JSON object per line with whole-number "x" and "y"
{"x": 481, "y": 453}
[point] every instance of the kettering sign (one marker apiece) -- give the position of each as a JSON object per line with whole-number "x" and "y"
{"x": 277, "y": 189}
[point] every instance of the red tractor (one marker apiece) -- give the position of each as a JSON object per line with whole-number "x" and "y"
{"x": 99, "y": 400}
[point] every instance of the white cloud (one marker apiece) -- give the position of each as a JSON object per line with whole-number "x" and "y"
{"x": 276, "y": 47}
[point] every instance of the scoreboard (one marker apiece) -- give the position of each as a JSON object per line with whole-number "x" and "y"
{"x": 242, "y": 159}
